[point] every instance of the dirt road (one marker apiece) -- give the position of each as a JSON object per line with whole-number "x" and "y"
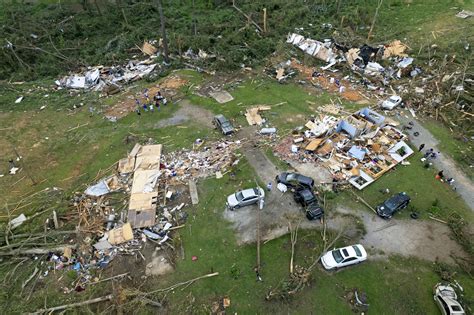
{"x": 422, "y": 239}
{"x": 464, "y": 186}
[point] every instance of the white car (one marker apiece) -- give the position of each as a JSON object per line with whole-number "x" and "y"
{"x": 446, "y": 298}
{"x": 345, "y": 256}
{"x": 392, "y": 102}
{"x": 245, "y": 197}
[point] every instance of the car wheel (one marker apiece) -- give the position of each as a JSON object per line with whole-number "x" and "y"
{"x": 236, "y": 207}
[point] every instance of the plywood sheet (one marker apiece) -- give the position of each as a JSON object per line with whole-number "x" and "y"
{"x": 144, "y": 181}
{"x": 313, "y": 144}
{"x": 143, "y": 201}
{"x": 193, "y": 192}
{"x": 121, "y": 235}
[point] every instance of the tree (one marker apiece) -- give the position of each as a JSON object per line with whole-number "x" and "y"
{"x": 163, "y": 30}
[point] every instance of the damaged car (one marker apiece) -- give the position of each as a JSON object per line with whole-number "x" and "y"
{"x": 223, "y": 124}
{"x": 447, "y": 300}
{"x": 295, "y": 180}
{"x": 392, "y": 102}
{"x": 309, "y": 202}
{"x": 393, "y": 204}
{"x": 343, "y": 257}
{"x": 245, "y": 197}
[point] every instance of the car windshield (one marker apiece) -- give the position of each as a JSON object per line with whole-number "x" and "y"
{"x": 239, "y": 196}
{"x": 393, "y": 99}
{"x": 456, "y": 308}
{"x": 291, "y": 177}
{"x": 391, "y": 203}
{"x": 257, "y": 193}
{"x": 357, "y": 250}
{"x": 337, "y": 255}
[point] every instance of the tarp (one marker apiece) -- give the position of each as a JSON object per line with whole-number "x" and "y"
{"x": 357, "y": 152}
{"x": 99, "y": 189}
{"x": 347, "y": 127}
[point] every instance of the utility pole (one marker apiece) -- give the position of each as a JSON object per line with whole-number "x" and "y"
{"x": 163, "y": 31}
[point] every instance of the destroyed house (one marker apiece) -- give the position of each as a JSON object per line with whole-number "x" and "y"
{"x": 360, "y": 148}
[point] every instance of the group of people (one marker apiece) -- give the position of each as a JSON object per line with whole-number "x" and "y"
{"x": 429, "y": 154}
{"x": 150, "y": 104}
{"x": 448, "y": 180}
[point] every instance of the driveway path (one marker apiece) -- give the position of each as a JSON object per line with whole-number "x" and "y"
{"x": 464, "y": 186}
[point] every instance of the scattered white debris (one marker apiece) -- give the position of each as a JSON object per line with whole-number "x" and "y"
{"x": 18, "y": 100}
{"x": 17, "y": 221}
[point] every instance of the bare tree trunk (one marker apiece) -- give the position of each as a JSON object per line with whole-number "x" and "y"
{"x": 97, "y": 6}
{"x": 375, "y": 18}
{"x": 194, "y": 21}
{"x": 163, "y": 30}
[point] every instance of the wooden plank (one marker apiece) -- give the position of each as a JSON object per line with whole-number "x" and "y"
{"x": 193, "y": 192}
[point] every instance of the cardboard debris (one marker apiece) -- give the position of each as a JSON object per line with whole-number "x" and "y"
{"x": 121, "y": 235}
{"x": 395, "y": 48}
{"x": 149, "y": 49}
{"x": 253, "y": 117}
{"x": 280, "y": 74}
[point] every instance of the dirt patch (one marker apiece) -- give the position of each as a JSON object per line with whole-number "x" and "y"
{"x": 326, "y": 83}
{"x": 186, "y": 112}
{"x": 158, "y": 266}
{"x": 168, "y": 88}
{"x": 278, "y": 210}
{"x": 173, "y": 82}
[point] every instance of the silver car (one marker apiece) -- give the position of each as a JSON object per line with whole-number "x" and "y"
{"x": 447, "y": 300}
{"x": 245, "y": 197}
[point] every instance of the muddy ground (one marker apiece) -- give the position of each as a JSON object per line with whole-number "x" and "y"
{"x": 188, "y": 112}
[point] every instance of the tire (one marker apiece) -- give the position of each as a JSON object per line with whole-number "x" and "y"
{"x": 236, "y": 207}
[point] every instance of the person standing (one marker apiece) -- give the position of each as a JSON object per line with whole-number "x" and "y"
{"x": 269, "y": 186}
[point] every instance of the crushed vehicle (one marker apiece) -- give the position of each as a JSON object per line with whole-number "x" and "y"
{"x": 223, "y": 124}
{"x": 392, "y": 205}
{"x": 309, "y": 202}
{"x": 447, "y": 300}
{"x": 295, "y": 180}
{"x": 392, "y": 102}
{"x": 245, "y": 197}
{"x": 343, "y": 257}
